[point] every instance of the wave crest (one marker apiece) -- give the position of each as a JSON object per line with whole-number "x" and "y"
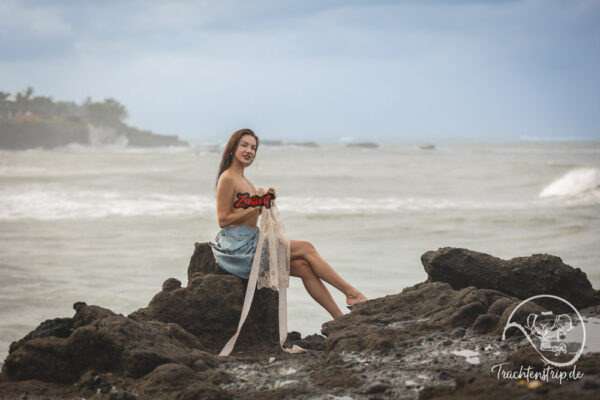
{"x": 574, "y": 183}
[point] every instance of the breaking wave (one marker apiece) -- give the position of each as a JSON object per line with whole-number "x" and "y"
{"x": 577, "y": 182}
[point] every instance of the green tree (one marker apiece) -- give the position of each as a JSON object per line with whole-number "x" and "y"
{"x": 23, "y": 100}
{"x": 43, "y": 106}
{"x": 108, "y": 113}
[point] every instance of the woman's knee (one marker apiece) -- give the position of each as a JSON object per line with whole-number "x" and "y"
{"x": 301, "y": 249}
{"x": 307, "y": 248}
{"x": 301, "y": 268}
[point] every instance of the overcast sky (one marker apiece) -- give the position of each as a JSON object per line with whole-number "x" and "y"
{"x": 317, "y": 70}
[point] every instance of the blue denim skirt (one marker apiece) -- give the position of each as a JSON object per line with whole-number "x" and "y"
{"x": 234, "y": 249}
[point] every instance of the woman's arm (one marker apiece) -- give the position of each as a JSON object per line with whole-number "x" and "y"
{"x": 226, "y": 214}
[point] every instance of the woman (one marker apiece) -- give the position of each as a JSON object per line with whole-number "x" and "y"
{"x": 236, "y": 242}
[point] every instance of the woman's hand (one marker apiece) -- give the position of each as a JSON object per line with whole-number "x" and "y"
{"x": 260, "y": 191}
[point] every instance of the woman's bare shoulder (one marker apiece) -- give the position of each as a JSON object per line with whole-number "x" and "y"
{"x": 239, "y": 183}
{"x": 227, "y": 178}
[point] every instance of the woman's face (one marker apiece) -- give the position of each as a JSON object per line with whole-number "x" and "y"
{"x": 246, "y": 150}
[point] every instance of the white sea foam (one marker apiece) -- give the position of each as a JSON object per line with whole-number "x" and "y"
{"x": 11, "y": 170}
{"x": 355, "y": 205}
{"x": 53, "y": 204}
{"x": 580, "y": 181}
{"x": 82, "y": 170}
{"x": 120, "y": 148}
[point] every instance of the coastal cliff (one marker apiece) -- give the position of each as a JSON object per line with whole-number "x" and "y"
{"x": 29, "y": 122}
{"x": 438, "y": 339}
{"x": 22, "y": 135}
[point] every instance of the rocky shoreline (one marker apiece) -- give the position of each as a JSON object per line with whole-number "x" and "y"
{"x": 23, "y": 135}
{"x": 438, "y": 339}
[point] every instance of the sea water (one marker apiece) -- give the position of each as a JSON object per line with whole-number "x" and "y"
{"x": 108, "y": 225}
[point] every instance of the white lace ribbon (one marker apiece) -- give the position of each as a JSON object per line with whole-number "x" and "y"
{"x": 271, "y": 270}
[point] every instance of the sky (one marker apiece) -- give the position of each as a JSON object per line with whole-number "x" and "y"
{"x": 315, "y": 69}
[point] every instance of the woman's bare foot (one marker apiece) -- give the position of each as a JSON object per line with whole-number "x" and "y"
{"x": 355, "y": 298}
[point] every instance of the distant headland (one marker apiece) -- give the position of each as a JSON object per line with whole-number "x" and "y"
{"x": 29, "y": 122}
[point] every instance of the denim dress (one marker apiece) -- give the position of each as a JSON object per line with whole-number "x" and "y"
{"x": 234, "y": 249}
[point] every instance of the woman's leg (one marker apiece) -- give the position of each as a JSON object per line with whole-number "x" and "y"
{"x": 314, "y": 286}
{"x": 303, "y": 250}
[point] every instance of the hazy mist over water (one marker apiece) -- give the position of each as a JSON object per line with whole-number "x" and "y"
{"x": 108, "y": 225}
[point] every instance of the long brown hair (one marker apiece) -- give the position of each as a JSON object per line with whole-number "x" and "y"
{"x": 230, "y": 148}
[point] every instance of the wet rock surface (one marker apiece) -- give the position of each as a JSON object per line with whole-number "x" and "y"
{"x": 438, "y": 339}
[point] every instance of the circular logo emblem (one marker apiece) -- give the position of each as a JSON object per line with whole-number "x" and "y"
{"x": 552, "y": 335}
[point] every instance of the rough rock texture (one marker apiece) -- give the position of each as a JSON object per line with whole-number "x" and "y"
{"x": 427, "y": 307}
{"x": 168, "y": 380}
{"x": 431, "y": 341}
{"x": 475, "y": 385}
{"x": 109, "y": 343}
{"x": 210, "y": 306}
{"x": 521, "y": 277}
{"x": 202, "y": 262}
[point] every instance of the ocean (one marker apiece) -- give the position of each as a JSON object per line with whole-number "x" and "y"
{"x": 107, "y": 225}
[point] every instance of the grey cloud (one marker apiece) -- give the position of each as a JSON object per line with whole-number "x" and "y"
{"x": 434, "y": 66}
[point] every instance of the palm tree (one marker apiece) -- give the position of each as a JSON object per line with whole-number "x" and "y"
{"x": 22, "y": 101}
